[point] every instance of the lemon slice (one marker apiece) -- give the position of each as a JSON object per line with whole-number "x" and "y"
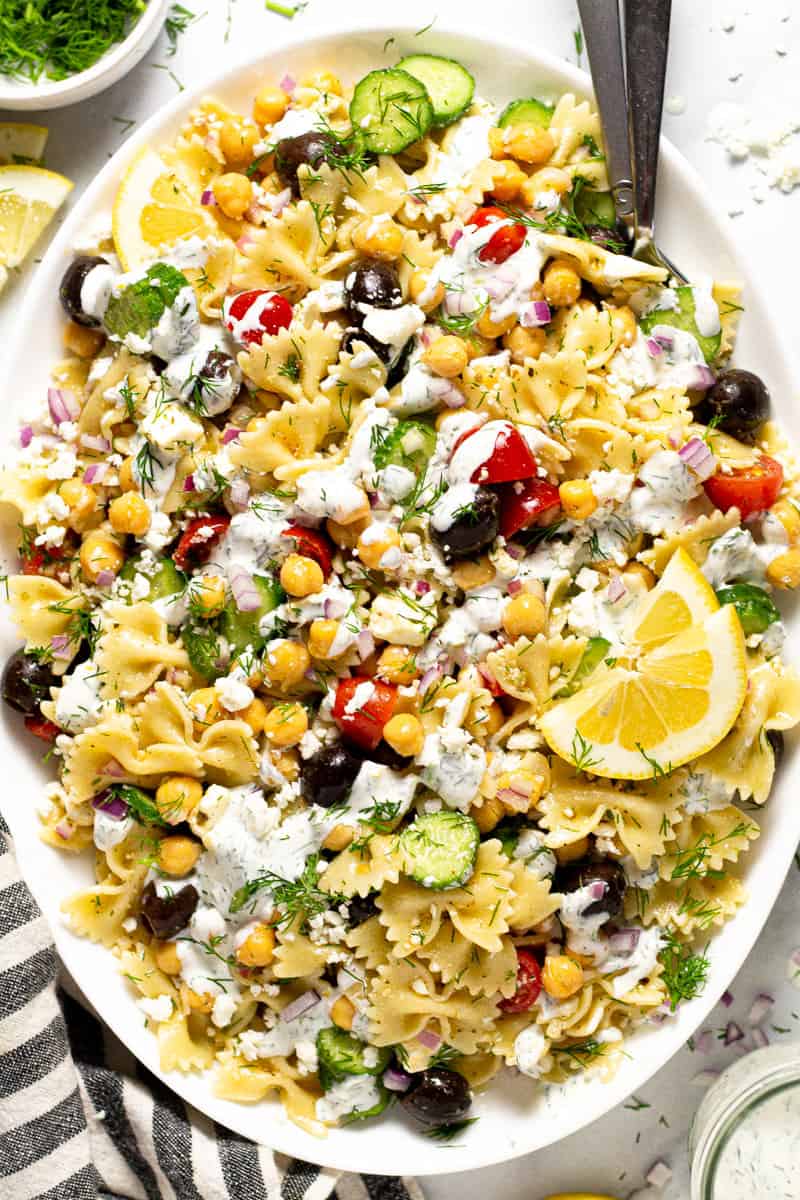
{"x": 152, "y": 210}
{"x": 22, "y": 143}
{"x": 29, "y": 199}
{"x": 670, "y": 696}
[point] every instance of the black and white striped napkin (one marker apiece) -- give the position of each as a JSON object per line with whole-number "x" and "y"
{"x": 82, "y": 1119}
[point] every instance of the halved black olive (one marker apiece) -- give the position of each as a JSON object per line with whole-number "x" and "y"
{"x": 737, "y": 403}
{"x": 26, "y": 682}
{"x": 372, "y": 282}
{"x": 329, "y": 774}
{"x": 438, "y": 1096}
{"x": 165, "y": 916}
{"x": 582, "y": 872}
{"x": 310, "y": 148}
{"x": 473, "y": 530}
{"x": 72, "y": 284}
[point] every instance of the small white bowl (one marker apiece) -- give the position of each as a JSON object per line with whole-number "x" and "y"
{"x": 116, "y": 62}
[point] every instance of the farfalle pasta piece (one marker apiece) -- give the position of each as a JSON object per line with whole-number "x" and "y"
{"x": 572, "y": 122}
{"x": 369, "y": 943}
{"x": 361, "y": 871}
{"x": 42, "y": 608}
{"x": 249, "y": 1082}
{"x": 596, "y": 445}
{"x": 296, "y": 956}
{"x": 660, "y": 414}
{"x": 25, "y": 489}
{"x": 294, "y": 431}
{"x": 522, "y": 668}
{"x": 705, "y": 842}
{"x": 292, "y": 362}
{"x": 182, "y": 1048}
{"x": 744, "y": 761}
{"x": 640, "y": 820}
{"x": 97, "y": 912}
{"x": 532, "y": 900}
{"x": 695, "y": 539}
{"x": 606, "y": 271}
{"x": 404, "y": 998}
{"x": 586, "y": 328}
{"x": 282, "y": 254}
{"x": 124, "y": 372}
{"x": 382, "y": 188}
{"x": 134, "y": 650}
{"x": 483, "y": 973}
{"x": 690, "y": 906}
{"x": 557, "y": 383}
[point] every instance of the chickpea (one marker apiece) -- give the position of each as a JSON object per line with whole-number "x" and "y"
{"x": 524, "y": 616}
{"x": 562, "y": 976}
{"x": 286, "y": 724}
{"x": 301, "y": 576}
{"x": 479, "y": 346}
{"x": 524, "y": 142}
{"x": 380, "y": 237}
{"x": 129, "y": 513}
{"x": 285, "y": 663}
{"x": 447, "y": 356}
{"x": 254, "y": 715}
{"x": 475, "y": 573}
{"x": 166, "y": 958}
{"x": 525, "y": 343}
{"x": 404, "y": 733}
{"x": 577, "y": 499}
{"x": 82, "y": 342}
{"x": 81, "y": 499}
{"x": 623, "y": 321}
{"x": 321, "y": 637}
{"x": 507, "y": 181}
{"x": 527, "y": 785}
{"x": 427, "y": 296}
{"x": 485, "y": 720}
{"x": 204, "y": 706}
{"x": 100, "y": 552}
{"x": 379, "y": 546}
{"x": 644, "y": 573}
{"x": 177, "y": 855}
{"x": 200, "y": 1002}
{"x": 339, "y": 838}
{"x": 490, "y": 814}
{"x": 177, "y": 797}
{"x": 269, "y": 105}
{"x": 287, "y": 762}
{"x": 787, "y": 513}
{"x": 233, "y": 193}
{"x": 207, "y": 596}
{"x": 237, "y": 140}
{"x": 562, "y": 283}
{"x": 258, "y": 948}
{"x": 397, "y": 664}
{"x": 324, "y": 81}
{"x": 127, "y": 482}
{"x": 489, "y": 328}
{"x": 346, "y": 536}
{"x": 784, "y": 571}
{"x": 342, "y": 1013}
{"x": 572, "y": 851}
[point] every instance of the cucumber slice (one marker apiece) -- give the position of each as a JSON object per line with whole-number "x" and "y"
{"x": 340, "y": 1054}
{"x": 683, "y": 318}
{"x": 449, "y": 85}
{"x": 390, "y": 109}
{"x": 438, "y": 849}
{"x": 166, "y": 580}
{"x": 593, "y": 654}
{"x": 240, "y": 629}
{"x": 595, "y": 208}
{"x": 526, "y": 112}
{"x": 755, "y": 608}
{"x": 409, "y": 445}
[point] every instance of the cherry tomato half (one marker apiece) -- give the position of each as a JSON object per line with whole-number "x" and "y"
{"x": 364, "y": 726}
{"x": 271, "y": 313}
{"x": 40, "y": 727}
{"x": 750, "y": 489}
{"x": 511, "y": 459}
{"x": 506, "y": 241}
{"x": 312, "y": 544}
{"x": 198, "y": 540}
{"x": 522, "y": 507}
{"x": 49, "y": 560}
{"x": 529, "y": 984}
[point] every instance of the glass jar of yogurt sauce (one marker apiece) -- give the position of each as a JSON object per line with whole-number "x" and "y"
{"x": 745, "y": 1139}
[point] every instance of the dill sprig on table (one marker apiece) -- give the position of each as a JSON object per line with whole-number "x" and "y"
{"x": 59, "y": 38}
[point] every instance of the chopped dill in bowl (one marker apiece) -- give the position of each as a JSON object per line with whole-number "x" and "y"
{"x": 54, "y": 39}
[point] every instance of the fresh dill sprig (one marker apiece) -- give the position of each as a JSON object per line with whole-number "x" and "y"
{"x": 425, "y": 189}
{"x": 40, "y": 39}
{"x": 685, "y": 973}
{"x": 302, "y": 895}
{"x": 146, "y": 462}
{"x": 582, "y": 753}
{"x": 139, "y": 803}
{"x": 178, "y": 21}
{"x": 582, "y": 1052}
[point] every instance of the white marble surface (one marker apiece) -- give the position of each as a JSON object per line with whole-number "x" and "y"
{"x": 723, "y": 51}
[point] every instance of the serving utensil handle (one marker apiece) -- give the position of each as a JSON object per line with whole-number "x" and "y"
{"x": 602, "y": 32}
{"x": 646, "y": 45}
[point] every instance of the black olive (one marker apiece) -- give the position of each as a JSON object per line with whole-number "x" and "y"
{"x": 159, "y": 365}
{"x": 438, "y": 1096}
{"x": 738, "y": 404}
{"x": 216, "y": 367}
{"x": 165, "y": 916}
{"x": 361, "y": 908}
{"x": 775, "y": 739}
{"x": 372, "y": 282}
{"x": 384, "y": 754}
{"x": 473, "y": 530}
{"x": 71, "y": 285}
{"x": 352, "y": 337}
{"x": 584, "y": 871}
{"x": 26, "y": 682}
{"x": 310, "y": 148}
{"x": 610, "y": 237}
{"x": 399, "y": 368}
{"x": 329, "y": 774}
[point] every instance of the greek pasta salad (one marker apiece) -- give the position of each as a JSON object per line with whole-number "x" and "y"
{"x": 399, "y": 561}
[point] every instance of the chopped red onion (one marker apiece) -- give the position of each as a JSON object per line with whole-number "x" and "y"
{"x": 654, "y": 347}
{"x": 759, "y": 1038}
{"x": 698, "y": 458}
{"x": 659, "y": 1175}
{"x": 514, "y": 551}
{"x": 458, "y": 304}
{"x": 486, "y": 674}
{"x": 207, "y": 198}
{"x": 431, "y": 676}
{"x": 704, "y": 1042}
{"x": 726, "y": 999}
{"x": 230, "y": 434}
{"x": 702, "y": 379}
{"x": 597, "y": 889}
{"x": 705, "y": 1078}
{"x": 665, "y": 340}
{"x": 733, "y": 1033}
{"x": 365, "y": 644}
{"x": 616, "y": 589}
{"x": 113, "y": 806}
{"x": 429, "y": 1039}
{"x": 105, "y": 578}
{"x": 500, "y": 284}
{"x": 334, "y": 606}
{"x": 455, "y": 238}
{"x": 63, "y": 405}
{"x": 239, "y": 493}
{"x": 113, "y": 769}
{"x": 65, "y": 829}
{"x": 625, "y": 940}
{"x": 535, "y": 315}
{"x": 281, "y": 200}
{"x": 288, "y": 84}
{"x": 514, "y": 586}
{"x": 761, "y": 1007}
{"x": 245, "y": 592}
{"x": 96, "y": 473}
{"x": 374, "y": 499}
{"x": 94, "y": 442}
{"x": 396, "y": 1080}
{"x": 59, "y": 644}
{"x": 740, "y": 1049}
{"x": 422, "y": 587}
{"x": 301, "y": 1005}
{"x": 188, "y": 484}
{"x": 674, "y": 437}
{"x": 25, "y": 436}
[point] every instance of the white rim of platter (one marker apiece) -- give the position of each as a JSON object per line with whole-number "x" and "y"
{"x": 516, "y": 1116}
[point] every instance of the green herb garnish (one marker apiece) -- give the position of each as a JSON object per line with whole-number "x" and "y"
{"x": 55, "y": 39}
{"x": 685, "y": 972}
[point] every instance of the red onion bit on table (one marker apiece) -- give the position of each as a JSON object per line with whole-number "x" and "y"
{"x": 760, "y": 1009}
{"x": 704, "y": 1042}
{"x": 759, "y": 1038}
{"x": 659, "y": 1175}
{"x": 726, "y": 999}
{"x": 733, "y": 1034}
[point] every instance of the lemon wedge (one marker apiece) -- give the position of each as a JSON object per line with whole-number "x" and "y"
{"x": 153, "y": 209}
{"x": 670, "y": 695}
{"x": 29, "y": 199}
{"x": 20, "y": 142}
